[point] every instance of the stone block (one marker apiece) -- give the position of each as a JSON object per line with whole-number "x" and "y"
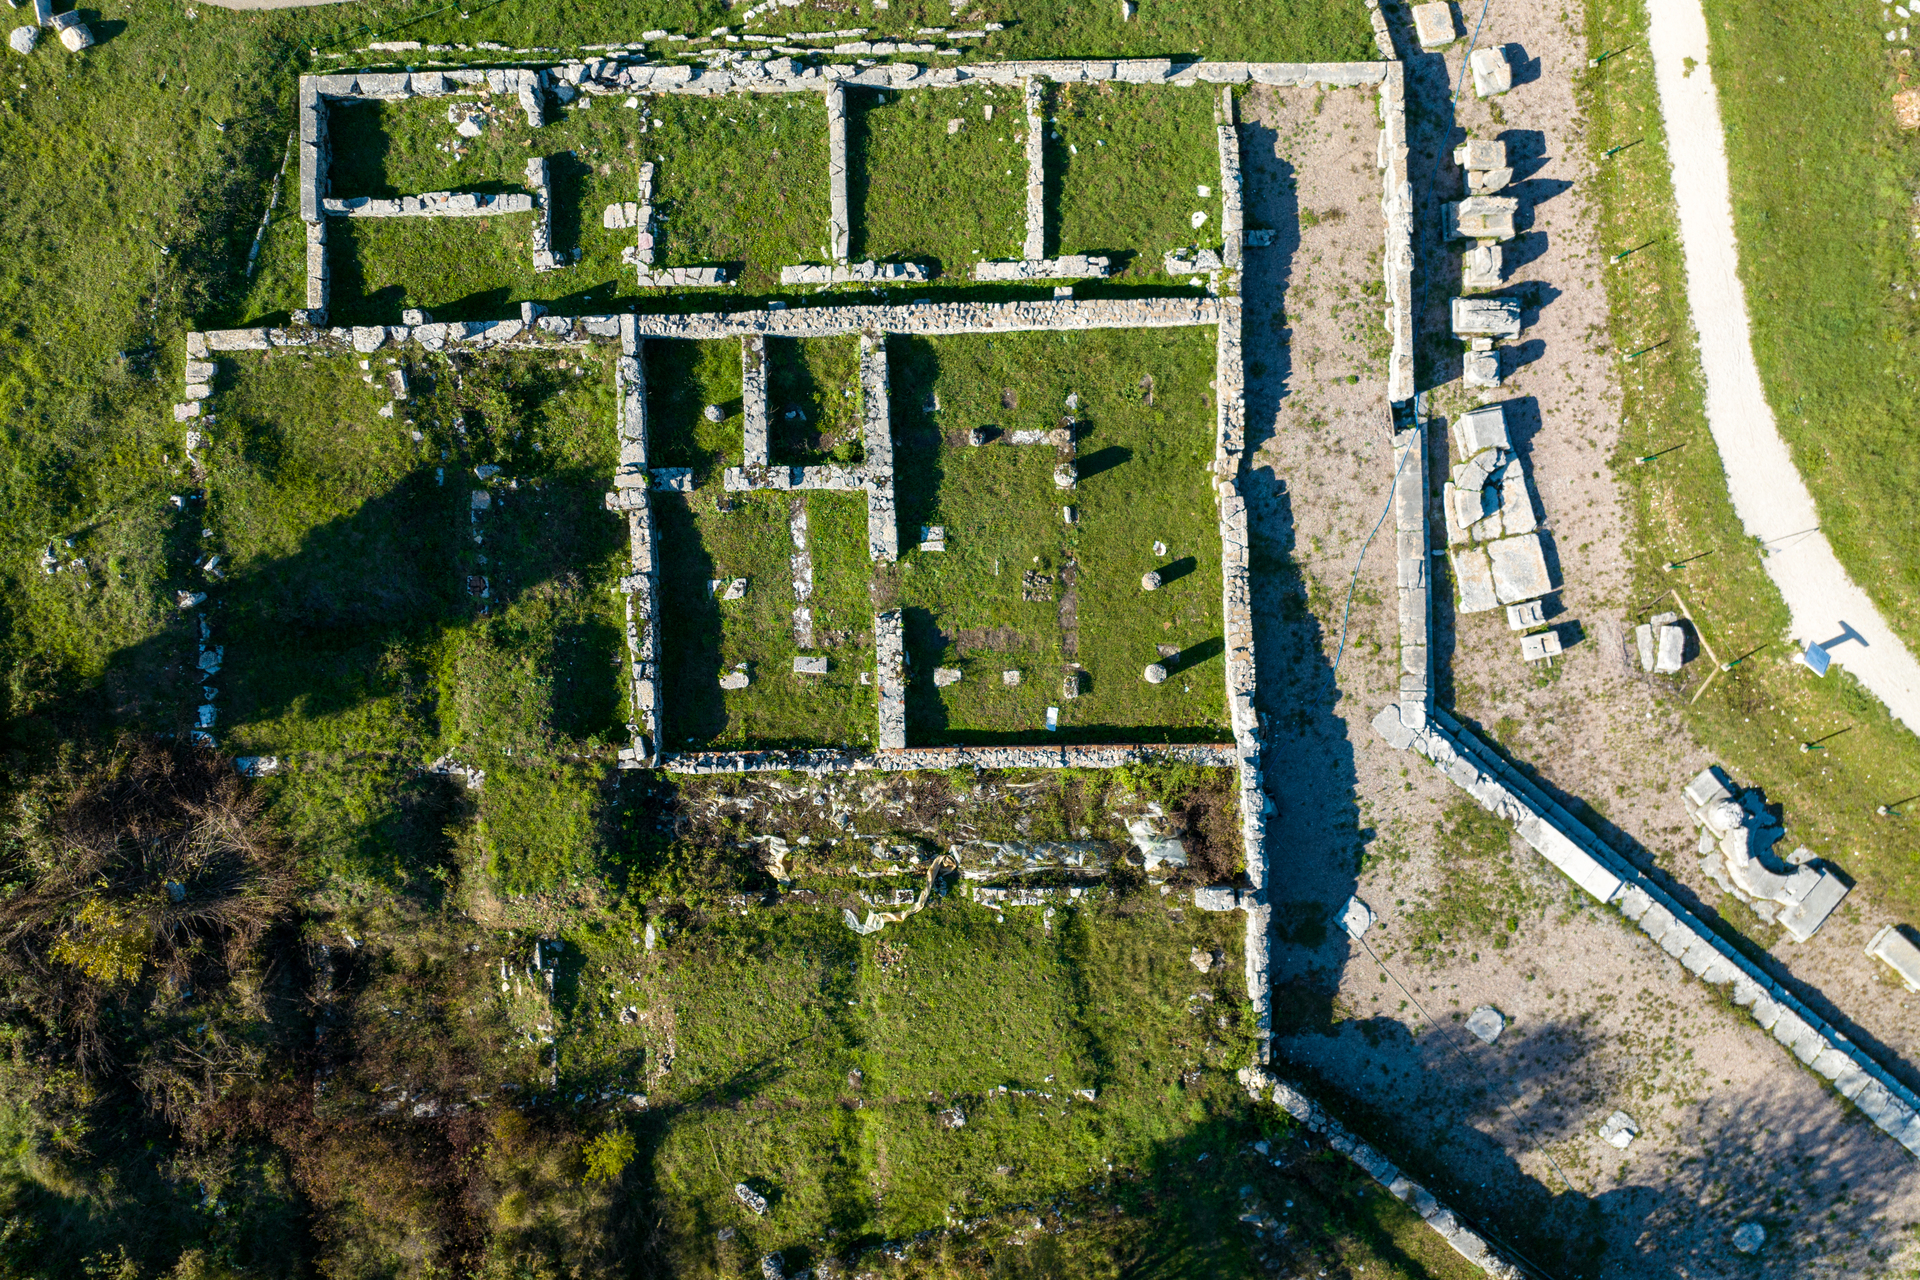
{"x": 1492, "y": 73}
{"x": 1892, "y": 948}
{"x": 1433, "y": 24}
{"x": 1480, "y": 369}
{"x": 1483, "y": 267}
{"x": 1657, "y": 922}
{"x": 1473, "y": 580}
{"x": 1524, "y": 617}
{"x": 1539, "y": 647}
{"x": 1219, "y": 897}
{"x": 1803, "y": 919}
{"x": 1519, "y": 568}
{"x": 1670, "y": 649}
{"x": 1486, "y": 1023}
{"x": 810, "y": 666}
{"x": 1488, "y": 317}
{"x": 1482, "y": 182}
{"x": 1634, "y": 902}
{"x": 735, "y": 679}
{"x": 1482, "y": 428}
{"x": 1479, "y": 153}
{"x": 1479, "y": 218}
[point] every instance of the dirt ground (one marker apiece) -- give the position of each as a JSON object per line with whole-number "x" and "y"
{"x": 1731, "y": 1129}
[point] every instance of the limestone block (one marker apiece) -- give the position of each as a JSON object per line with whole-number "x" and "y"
{"x": 1657, "y": 922}
{"x": 1219, "y": 897}
{"x": 1486, "y": 1023}
{"x": 1486, "y": 182}
{"x": 1670, "y": 647}
{"x": 944, "y": 676}
{"x": 1483, "y": 267}
{"x": 22, "y": 39}
{"x": 1480, "y": 369}
{"x": 1891, "y": 948}
{"x": 1491, "y": 317}
{"x": 1433, "y": 24}
{"x": 1492, "y": 74}
{"x": 1524, "y": 617}
{"x": 1634, "y": 902}
{"x": 1473, "y": 579}
{"x": 735, "y": 679}
{"x": 1477, "y": 153}
{"x": 1479, "y": 218}
{"x": 1538, "y": 648}
{"x": 1803, "y": 918}
{"x": 1516, "y": 502}
{"x": 1519, "y": 567}
{"x": 43, "y": 12}
{"x": 1482, "y": 428}
{"x": 810, "y": 666}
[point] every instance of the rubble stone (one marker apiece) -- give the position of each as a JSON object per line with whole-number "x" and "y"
{"x": 22, "y": 39}
{"x": 1486, "y": 1023}
{"x": 944, "y": 676}
{"x": 1155, "y": 674}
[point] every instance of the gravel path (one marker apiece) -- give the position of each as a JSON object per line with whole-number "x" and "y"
{"x": 1772, "y": 502}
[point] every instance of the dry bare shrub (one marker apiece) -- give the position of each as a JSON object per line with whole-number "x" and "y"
{"x": 158, "y": 867}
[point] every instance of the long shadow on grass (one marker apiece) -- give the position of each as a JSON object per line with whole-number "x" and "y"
{"x": 690, "y": 628}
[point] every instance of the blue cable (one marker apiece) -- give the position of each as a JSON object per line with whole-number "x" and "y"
{"x": 1391, "y": 489}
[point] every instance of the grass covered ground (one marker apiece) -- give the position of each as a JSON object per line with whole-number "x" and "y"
{"x": 367, "y": 631}
{"x": 1143, "y": 442}
{"x": 1016, "y": 588}
{"x": 743, "y": 182}
{"x": 1824, "y": 187}
{"x": 1754, "y": 718}
{"x": 1126, "y": 165}
{"x": 363, "y": 1092}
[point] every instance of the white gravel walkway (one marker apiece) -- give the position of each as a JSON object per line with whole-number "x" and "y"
{"x": 1772, "y": 501}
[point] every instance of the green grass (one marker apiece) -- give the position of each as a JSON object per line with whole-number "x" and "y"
{"x": 1143, "y": 446}
{"x": 356, "y": 640}
{"x": 1128, "y": 164}
{"x": 1753, "y": 719}
{"x": 1827, "y": 257}
{"x": 920, "y": 193}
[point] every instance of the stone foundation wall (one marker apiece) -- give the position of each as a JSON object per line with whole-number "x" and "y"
{"x": 1396, "y": 209}
{"x": 641, "y": 585}
{"x": 899, "y": 760}
{"x": 876, "y": 428}
{"x": 1465, "y": 1241}
{"x": 1609, "y": 878}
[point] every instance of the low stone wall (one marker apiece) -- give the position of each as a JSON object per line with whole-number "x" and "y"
{"x": 1232, "y": 218}
{"x": 840, "y": 220}
{"x": 756, "y": 421}
{"x": 1609, "y": 878}
{"x": 928, "y": 318}
{"x": 890, "y": 678}
{"x": 1072, "y": 266}
{"x": 641, "y": 585}
{"x": 434, "y": 204}
{"x": 1035, "y": 92}
{"x": 1464, "y": 1241}
{"x": 544, "y": 258}
{"x": 900, "y": 760}
{"x": 856, "y": 273}
{"x": 876, "y": 429}
{"x": 1396, "y": 208}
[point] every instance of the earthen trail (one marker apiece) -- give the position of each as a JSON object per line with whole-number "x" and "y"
{"x": 1772, "y": 501}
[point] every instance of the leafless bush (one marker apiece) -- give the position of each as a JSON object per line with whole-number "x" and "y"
{"x": 158, "y": 868}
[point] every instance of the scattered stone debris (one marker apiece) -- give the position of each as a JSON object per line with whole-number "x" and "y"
{"x": 738, "y": 678}
{"x": 1486, "y": 1023}
{"x": 944, "y": 676}
{"x": 1618, "y": 1130}
{"x": 752, "y": 1199}
{"x": 1737, "y": 835}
